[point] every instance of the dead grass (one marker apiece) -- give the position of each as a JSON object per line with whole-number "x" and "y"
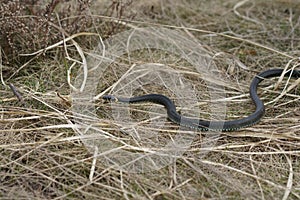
{"x": 42, "y": 157}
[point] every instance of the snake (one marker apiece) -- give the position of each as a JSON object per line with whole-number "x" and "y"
{"x": 205, "y": 125}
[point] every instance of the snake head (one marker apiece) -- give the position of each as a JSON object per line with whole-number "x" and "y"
{"x": 110, "y": 98}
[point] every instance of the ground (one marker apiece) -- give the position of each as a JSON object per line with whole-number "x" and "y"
{"x": 203, "y": 55}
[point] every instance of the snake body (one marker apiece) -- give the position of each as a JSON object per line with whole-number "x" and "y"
{"x": 204, "y": 125}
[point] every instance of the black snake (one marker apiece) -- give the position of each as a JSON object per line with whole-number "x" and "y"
{"x": 205, "y": 125}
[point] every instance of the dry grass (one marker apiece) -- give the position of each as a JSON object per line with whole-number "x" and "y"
{"x": 43, "y": 157}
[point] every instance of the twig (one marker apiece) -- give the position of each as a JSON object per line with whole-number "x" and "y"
{"x": 15, "y": 91}
{"x": 1, "y": 68}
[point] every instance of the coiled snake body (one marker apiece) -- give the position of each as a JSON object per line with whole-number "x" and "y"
{"x": 204, "y": 125}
